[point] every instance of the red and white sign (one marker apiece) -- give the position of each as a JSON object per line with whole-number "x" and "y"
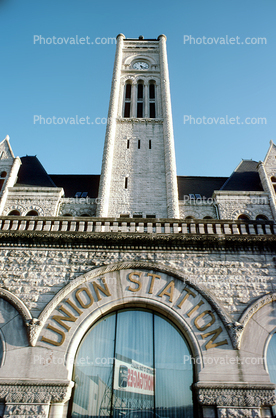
{"x": 133, "y": 377}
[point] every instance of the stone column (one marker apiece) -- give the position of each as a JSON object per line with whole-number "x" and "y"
{"x": 133, "y": 107}
{"x": 170, "y": 165}
{"x": 104, "y": 188}
{"x": 268, "y": 188}
{"x": 27, "y": 400}
{"x": 12, "y": 176}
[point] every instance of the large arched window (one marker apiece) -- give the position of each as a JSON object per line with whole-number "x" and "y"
{"x": 271, "y": 362}
{"x": 133, "y": 364}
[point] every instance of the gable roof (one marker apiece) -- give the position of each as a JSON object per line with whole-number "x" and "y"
{"x": 32, "y": 173}
{"x": 245, "y": 178}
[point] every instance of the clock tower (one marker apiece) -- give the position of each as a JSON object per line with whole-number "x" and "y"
{"x": 138, "y": 177}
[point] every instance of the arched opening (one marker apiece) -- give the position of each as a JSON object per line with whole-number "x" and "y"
{"x": 14, "y": 213}
{"x": 67, "y": 214}
{"x": 133, "y": 363}
{"x": 32, "y": 213}
{"x": 207, "y": 217}
{"x": 261, "y": 218}
{"x": 243, "y": 217}
{"x": 3, "y": 174}
{"x": 271, "y": 362}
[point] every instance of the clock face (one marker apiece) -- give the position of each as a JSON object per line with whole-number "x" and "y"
{"x": 140, "y": 65}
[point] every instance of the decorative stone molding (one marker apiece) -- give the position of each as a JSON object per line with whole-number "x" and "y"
{"x": 236, "y": 330}
{"x": 121, "y": 266}
{"x": 236, "y": 395}
{"x": 27, "y": 392}
{"x": 8, "y": 209}
{"x": 26, "y": 410}
{"x": 255, "y": 306}
{"x": 140, "y": 120}
{"x": 17, "y": 303}
{"x": 239, "y": 413}
{"x": 242, "y": 211}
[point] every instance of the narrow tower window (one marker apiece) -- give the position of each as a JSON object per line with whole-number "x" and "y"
{"x": 150, "y": 144}
{"x": 152, "y": 94}
{"x": 140, "y": 99}
{"x": 126, "y": 183}
{"x": 128, "y": 143}
{"x": 139, "y": 143}
{"x": 127, "y": 100}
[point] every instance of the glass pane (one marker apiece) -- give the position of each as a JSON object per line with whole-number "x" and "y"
{"x": 271, "y": 362}
{"x": 140, "y": 91}
{"x": 174, "y": 372}
{"x": 152, "y": 110}
{"x": 128, "y": 91}
{"x": 94, "y": 371}
{"x": 127, "y": 110}
{"x": 152, "y": 91}
{"x": 139, "y": 110}
{"x": 134, "y": 375}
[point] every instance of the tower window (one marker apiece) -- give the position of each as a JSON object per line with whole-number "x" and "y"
{"x": 152, "y": 110}
{"x": 140, "y": 91}
{"x": 152, "y": 100}
{"x": 139, "y": 144}
{"x": 139, "y": 110}
{"x": 152, "y": 91}
{"x": 127, "y": 100}
{"x": 140, "y": 99}
{"x": 150, "y": 144}
{"x": 127, "y": 110}
{"x": 126, "y": 182}
{"x": 128, "y": 91}
{"x": 127, "y": 143}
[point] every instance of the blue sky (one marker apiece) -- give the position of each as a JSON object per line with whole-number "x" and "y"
{"x": 210, "y": 81}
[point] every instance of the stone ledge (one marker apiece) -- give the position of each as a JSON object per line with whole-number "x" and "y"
{"x": 235, "y": 394}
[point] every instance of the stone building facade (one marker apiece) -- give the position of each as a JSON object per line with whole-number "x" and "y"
{"x": 194, "y": 256}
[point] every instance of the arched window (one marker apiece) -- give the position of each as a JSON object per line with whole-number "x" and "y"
{"x": 261, "y": 218}
{"x": 127, "y": 104}
{"x": 271, "y": 362}
{"x": 207, "y": 217}
{"x": 152, "y": 99}
{"x": 243, "y": 217}
{"x": 4, "y": 174}
{"x": 32, "y": 213}
{"x": 189, "y": 218}
{"x": 67, "y": 214}
{"x": 14, "y": 213}
{"x": 140, "y": 99}
{"x": 127, "y": 366}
